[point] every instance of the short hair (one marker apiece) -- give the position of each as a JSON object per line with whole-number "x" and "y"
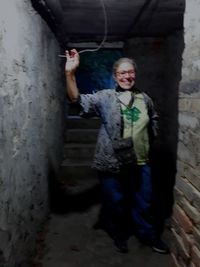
{"x": 124, "y": 60}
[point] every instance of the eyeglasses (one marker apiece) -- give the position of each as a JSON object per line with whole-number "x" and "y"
{"x": 124, "y": 72}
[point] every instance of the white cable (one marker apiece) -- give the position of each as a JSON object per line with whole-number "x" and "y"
{"x": 105, "y": 33}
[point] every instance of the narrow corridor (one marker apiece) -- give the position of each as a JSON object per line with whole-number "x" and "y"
{"x": 37, "y": 186}
{"x": 70, "y": 239}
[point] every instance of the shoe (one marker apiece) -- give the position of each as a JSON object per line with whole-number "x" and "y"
{"x": 121, "y": 245}
{"x": 160, "y": 247}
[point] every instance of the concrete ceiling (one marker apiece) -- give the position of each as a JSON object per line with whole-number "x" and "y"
{"x": 83, "y": 20}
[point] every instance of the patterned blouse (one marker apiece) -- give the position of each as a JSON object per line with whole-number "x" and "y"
{"x": 106, "y": 104}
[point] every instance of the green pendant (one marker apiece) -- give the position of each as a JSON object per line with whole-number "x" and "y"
{"x": 132, "y": 114}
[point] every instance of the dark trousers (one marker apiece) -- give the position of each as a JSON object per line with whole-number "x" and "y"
{"x": 127, "y": 203}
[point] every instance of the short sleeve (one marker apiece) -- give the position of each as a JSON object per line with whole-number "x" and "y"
{"x": 89, "y": 104}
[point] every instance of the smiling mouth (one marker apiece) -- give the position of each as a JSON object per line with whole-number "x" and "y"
{"x": 128, "y": 81}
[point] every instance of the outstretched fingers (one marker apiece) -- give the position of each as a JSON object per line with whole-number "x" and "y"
{"x": 67, "y": 54}
{"x": 72, "y": 60}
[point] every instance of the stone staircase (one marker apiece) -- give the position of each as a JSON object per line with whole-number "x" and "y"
{"x": 76, "y": 174}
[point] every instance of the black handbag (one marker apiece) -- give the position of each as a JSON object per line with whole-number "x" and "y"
{"x": 124, "y": 151}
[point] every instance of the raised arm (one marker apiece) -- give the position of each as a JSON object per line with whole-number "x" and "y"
{"x": 71, "y": 65}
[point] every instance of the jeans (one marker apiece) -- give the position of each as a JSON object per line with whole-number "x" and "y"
{"x": 127, "y": 203}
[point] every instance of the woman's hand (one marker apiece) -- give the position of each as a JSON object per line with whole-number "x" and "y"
{"x": 72, "y": 61}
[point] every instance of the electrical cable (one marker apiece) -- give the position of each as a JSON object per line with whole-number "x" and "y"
{"x": 105, "y": 33}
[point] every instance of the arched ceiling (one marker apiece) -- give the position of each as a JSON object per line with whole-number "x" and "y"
{"x": 83, "y": 20}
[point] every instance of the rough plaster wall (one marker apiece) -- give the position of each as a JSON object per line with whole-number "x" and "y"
{"x": 30, "y": 126}
{"x": 186, "y": 217}
{"x": 159, "y": 73}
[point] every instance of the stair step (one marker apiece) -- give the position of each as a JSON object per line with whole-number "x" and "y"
{"x": 79, "y": 151}
{"x": 79, "y": 187}
{"x": 77, "y": 177}
{"x": 77, "y": 170}
{"x": 78, "y": 162}
{"x": 77, "y": 122}
{"x": 75, "y": 173}
{"x": 81, "y": 135}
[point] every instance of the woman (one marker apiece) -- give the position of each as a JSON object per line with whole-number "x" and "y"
{"x": 129, "y": 125}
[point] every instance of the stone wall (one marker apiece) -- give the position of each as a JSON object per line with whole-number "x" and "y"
{"x": 31, "y": 126}
{"x": 186, "y": 219}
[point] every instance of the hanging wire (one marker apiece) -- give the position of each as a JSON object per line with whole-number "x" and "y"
{"x": 105, "y": 33}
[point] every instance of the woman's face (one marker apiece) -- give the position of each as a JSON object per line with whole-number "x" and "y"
{"x": 125, "y": 75}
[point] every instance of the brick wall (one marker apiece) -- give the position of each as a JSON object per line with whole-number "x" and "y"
{"x": 186, "y": 213}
